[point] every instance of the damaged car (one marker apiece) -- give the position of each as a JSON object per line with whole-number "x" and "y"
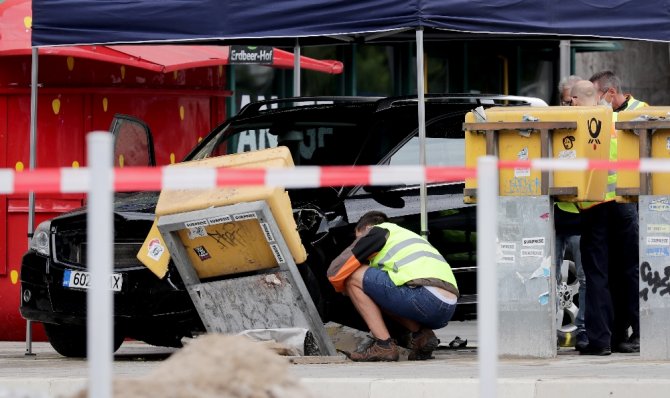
{"x": 333, "y": 131}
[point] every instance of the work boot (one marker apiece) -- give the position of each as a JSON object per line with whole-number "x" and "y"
{"x": 593, "y": 350}
{"x": 378, "y": 351}
{"x": 422, "y": 344}
{"x": 582, "y": 341}
{"x": 630, "y": 346}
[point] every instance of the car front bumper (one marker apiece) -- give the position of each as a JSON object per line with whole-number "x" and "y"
{"x": 144, "y": 302}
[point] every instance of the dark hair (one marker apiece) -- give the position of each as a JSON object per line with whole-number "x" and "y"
{"x": 371, "y": 218}
{"x": 606, "y": 80}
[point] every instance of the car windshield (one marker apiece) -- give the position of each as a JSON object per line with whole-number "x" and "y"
{"x": 345, "y": 134}
{"x": 323, "y": 135}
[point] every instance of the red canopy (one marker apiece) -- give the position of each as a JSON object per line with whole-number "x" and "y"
{"x": 16, "y": 21}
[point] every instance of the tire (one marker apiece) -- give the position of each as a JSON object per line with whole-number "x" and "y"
{"x": 567, "y": 305}
{"x": 70, "y": 340}
{"x": 312, "y": 285}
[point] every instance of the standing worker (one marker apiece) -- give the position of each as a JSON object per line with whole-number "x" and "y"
{"x": 393, "y": 270}
{"x": 567, "y": 223}
{"x": 598, "y": 231}
{"x": 626, "y": 280}
{"x": 565, "y": 87}
{"x": 609, "y": 87}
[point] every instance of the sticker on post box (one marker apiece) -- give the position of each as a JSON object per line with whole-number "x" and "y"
{"x": 155, "y": 249}
{"x": 219, "y": 220}
{"x": 658, "y": 228}
{"x": 202, "y": 253}
{"x": 197, "y": 232}
{"x": 658, "y": 240}
{"x": 522, "y": 172}
{"x": 266, "y": 231}
{"x": 568, "y": 142}
{"x": 197, "y": 223}
{"x": 511, "y": 246}
{"x": 659, "y": 205}
{"x": 658, "y": 251}
{"x": 277, "y": 253}
{"x": 507, "y": 259}
{"x": 532, "y": 252}
{"x": 567, "y": 154}
{"x": 244, "y": 216}
{"x": 536, "y": 241}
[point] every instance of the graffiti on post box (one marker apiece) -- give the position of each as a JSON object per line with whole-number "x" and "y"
{"x": 654, "y": 280}
{"x": 522, "y": 186}
{"x": 228, "y": 236}
{"x": 568, "y": 142}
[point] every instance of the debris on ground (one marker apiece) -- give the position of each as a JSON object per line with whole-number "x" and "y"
{"x": 215, "y": 365}
{"x": 457, "y": 342}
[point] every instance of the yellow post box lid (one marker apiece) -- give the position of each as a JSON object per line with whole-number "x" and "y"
{"x": 184, "y": 200}
{"x": 590, "y": 140}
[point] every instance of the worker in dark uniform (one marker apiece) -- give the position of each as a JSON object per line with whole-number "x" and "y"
{"x": 623, "y": 251}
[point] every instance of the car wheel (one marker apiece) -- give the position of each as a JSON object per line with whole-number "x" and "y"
{"x": 70, "y": 340}
{"x": 567, "y": 302}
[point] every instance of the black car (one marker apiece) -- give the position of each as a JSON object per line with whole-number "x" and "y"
{"x": 318, "y": 131}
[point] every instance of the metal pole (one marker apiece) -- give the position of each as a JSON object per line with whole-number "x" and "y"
{"x": 487, "y": 280}
{"x": 32, "y": 164}
{"x": 565, "y": 59}
{"x": 232, "y": 86}
{"x": 296, "y": 69}
{"x": 421, "y": 109}
{"x": 100, "y": 306}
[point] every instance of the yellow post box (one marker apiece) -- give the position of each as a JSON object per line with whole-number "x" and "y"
{"x": 237, "y": 245}
{"x": 643, "y": 133}
{"x": 524, "y": 133}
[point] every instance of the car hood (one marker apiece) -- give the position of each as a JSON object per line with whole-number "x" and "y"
{"x": 129, "y": 206}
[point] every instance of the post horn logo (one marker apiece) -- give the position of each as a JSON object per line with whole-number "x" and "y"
{"x": 594, "y": 131}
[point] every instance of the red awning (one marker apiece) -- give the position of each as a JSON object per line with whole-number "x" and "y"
{"x": 16, "y": 21}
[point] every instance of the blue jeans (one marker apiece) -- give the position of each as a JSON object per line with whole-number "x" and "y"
{"x": 415, "y": 303}
{"x": 571, "y": 243}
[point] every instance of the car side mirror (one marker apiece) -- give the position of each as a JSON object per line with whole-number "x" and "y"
{"x": 133, "y": 144}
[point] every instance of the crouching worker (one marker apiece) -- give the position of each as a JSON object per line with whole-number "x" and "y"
{"x": 393, "y": 270}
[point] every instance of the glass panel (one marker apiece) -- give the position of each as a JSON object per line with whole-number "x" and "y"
{"x": 439, "y": 152}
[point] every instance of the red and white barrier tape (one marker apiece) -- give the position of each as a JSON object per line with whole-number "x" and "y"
{"x": 128, "y": 179}
{"x": 643, "y": 165}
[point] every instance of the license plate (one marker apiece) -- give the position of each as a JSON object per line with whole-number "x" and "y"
{"x": 82, "y": 280}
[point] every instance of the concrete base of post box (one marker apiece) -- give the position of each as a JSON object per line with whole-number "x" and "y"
{"x": 654, "y": 212}
{"x": 526, "y": 281}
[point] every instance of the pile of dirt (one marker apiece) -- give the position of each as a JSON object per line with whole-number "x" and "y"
{"x": 218, "y": 366}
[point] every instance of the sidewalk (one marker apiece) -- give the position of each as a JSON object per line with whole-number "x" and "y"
{"x": 453, "y": 373}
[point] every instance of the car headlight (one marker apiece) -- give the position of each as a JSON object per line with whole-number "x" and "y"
{"x": 40, "y": 241}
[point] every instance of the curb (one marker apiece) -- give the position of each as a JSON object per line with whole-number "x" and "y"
{"x": 401, "y": 388}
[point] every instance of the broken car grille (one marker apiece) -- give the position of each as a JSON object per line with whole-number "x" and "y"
{"x": 72, "y": 250}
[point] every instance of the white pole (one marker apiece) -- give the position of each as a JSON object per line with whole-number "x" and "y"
{"x": 296, "y": 69}
{"x": 487, "y": 279}
{"x": 100, "y": 232}
{"x": 565, "y": 59}
{"x": 32, "y": 164}
{"x": 421, "y": 109}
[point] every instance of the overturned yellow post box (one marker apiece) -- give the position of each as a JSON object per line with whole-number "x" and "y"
{"x": 236, "y": 250}
{"x": 643, "y": 133}
{"x": 243, "y": 257}
{"x": 524, "y": 133}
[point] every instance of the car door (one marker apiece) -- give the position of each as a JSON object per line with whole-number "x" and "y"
{"x": 451, "y": 223}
